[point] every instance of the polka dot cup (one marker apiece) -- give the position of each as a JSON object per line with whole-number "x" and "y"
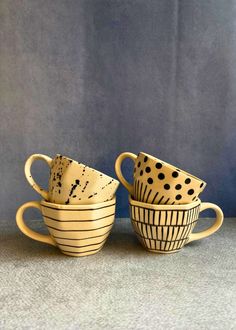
{"x": 71, "y": 182}
{"x": 157, "y": 182}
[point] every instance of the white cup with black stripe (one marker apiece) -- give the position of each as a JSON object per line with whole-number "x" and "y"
{"x": 77, "y": 230}
{"x": 157, "y": 182}
{"x": 167, "y": 228}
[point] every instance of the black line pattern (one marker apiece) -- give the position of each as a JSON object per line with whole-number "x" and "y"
{"x": 73, "y": 236}
{"x": 154, "y": 199}
{"x": 140, "y": 193}
{"x": 160, "y": 200}
{"x": 149, "y": 193}
{"x": 146, "y": 208}
{"x": 91, "y": 209}
{"x": 82, "y": 246}
{"x": 163, "y": 230}
{"x": 81, "y": 239}
{"x": 143, "y": 198}
{"x": 137, "y": 194}
{"x": 143, "y": 193}
{"x": 160, "y": 226}
{"x": 135, "y": 189}
{"x": 75, "y": 220}
{"x": 78, "y": 230}
{"x": 80, "y": 252}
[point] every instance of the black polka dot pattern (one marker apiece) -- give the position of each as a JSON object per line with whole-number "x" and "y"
{"x": 175, "y": 174}
{"x": 147, "y": 169}
{"x": 158, "y": 166}
{"x": 161, "y": 176}
{"x": 176, "y": 187}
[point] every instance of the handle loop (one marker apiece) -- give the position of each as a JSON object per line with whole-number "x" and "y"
{"x": 26, "y": 230}
{"x": 217, "y": 224}
{"x": 119, "y": 174}
{"x": 29, "y": 177}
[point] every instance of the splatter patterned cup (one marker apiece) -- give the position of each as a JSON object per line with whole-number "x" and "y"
{"x": 157, "y": 182}
{"x": 167, "y": 228}
{"x": 71, "y": 182}
{"x": 77, "y": 230}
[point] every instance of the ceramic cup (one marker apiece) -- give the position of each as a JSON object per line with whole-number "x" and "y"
{"x": 167, "y": 228}
{"x": 77, "y": 230}
{"x": 157, "y": 182}
{"x": 71, "y": 182}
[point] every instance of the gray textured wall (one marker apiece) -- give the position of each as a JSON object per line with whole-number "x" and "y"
{"x": 91, "y": 79}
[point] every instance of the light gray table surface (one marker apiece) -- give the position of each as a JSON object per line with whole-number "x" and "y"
{"x": 121, "y": 287}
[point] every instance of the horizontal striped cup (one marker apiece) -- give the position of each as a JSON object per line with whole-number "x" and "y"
{"x": 167, "y": 228}
{"x": 77, "y": 230}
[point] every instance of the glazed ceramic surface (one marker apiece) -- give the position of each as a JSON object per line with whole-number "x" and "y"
{"x": 77, "y": 230}
{"x": 71, "y": 182}
{"x": 157, "y": 182}
{"x": 167, "y": 228}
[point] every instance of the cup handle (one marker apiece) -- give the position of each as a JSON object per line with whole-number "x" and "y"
{"x": 119, "y": 174}
{"x": 26, "y": 230}
{"x": 217, "y": 224}
{"x": 29, "y": 177}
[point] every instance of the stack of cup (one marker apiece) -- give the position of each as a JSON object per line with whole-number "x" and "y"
{"x": 78, "y": 208}
{"x": 164, "y": 203}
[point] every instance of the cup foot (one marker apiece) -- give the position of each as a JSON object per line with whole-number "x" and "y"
{"x": 162, "y": 252}
{"x": 81, "y": 254}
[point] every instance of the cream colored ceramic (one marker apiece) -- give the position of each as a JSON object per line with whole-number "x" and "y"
{"x": 167, "y": 228}
{"x": 71, "y": 182}
{"x": 77, "y": 230}
{"x": 157, "y": 182}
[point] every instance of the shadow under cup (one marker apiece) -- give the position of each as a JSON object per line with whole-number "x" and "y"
{"x": 77, "y": 230}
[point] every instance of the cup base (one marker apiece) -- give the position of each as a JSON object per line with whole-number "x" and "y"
{"x": 162, "y": 252}
{"x": 82, "y": 254}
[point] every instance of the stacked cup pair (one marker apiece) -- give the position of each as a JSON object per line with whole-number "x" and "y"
{"x": 164, "y": 203}
{"x": 78, "y": 208}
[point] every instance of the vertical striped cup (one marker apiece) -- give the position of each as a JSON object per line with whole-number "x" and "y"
{"x": 167, "y": 228}
{"x": 77, "y": 230}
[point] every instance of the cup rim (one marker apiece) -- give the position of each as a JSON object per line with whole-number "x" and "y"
{"x": 172, "y": 167}
{"x": 79, "y": 206}
{"x": 88, "y": 167}
{"x": 166, "y": 207}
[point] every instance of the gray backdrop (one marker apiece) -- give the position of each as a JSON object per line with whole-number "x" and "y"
{"x": 90, "y": 79}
